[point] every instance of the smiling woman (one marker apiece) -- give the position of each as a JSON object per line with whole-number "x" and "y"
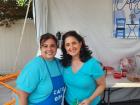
{"x": 82, "y": 72}
{"x": 40, "y": 77}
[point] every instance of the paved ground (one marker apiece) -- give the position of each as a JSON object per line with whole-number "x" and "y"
{"x": 132, "y": 102}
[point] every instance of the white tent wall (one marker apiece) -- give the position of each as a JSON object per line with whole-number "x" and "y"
{"x": 9, "y": 43}
{"x": 92, "y": 19}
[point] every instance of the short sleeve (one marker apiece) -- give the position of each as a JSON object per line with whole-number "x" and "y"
{"x": 96, "y": 69}
{"x": 28, "y": 79}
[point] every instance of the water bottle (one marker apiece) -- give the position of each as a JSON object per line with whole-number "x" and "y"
{"x": 75, "y": 102}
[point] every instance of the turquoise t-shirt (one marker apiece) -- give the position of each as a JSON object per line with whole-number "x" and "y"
{"x": 82, "y": 84}
{"x": 35, "y": 79}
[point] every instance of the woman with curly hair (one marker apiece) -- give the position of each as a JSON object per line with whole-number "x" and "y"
{"x": 83, "y": 74}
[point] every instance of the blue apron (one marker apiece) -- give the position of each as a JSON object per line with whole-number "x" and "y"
{"x": 56, "y": 96}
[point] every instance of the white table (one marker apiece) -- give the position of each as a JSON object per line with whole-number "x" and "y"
{"x": 111, "y": 82}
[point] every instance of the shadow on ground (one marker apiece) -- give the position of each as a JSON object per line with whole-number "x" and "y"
{"x": 132, "y": 102}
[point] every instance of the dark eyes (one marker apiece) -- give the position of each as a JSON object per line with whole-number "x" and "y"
{"x": 45, "y": 46}
{"x": 73, "y": 43}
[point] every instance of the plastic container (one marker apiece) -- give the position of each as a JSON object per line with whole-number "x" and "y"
{"x": 133, "y": 77}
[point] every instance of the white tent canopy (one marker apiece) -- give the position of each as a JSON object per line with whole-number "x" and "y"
{"x": 93, "y": 20}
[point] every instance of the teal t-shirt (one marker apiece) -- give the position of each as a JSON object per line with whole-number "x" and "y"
{"x": 35, "y": 79}
{"x": 82, "y": 84}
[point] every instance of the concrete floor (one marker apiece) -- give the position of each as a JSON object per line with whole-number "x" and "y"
{"x": 132, "y": 102}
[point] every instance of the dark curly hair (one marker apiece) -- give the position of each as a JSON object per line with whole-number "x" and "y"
{"x": 85, "y": 53}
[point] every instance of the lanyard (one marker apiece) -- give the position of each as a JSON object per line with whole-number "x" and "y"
{"x": 48, "y": 66}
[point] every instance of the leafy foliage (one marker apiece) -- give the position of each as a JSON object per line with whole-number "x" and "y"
{"x": 12, "y": 10}
{"x": 21, "y": 2}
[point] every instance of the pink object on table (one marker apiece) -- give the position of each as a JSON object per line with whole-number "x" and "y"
{"x": 117, "y": 75}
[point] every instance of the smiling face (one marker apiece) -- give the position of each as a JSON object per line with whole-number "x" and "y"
{"x": 72, "y": 46}
{"x": 48, "y": 49}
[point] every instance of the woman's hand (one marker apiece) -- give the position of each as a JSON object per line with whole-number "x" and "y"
{"x": 85, "y": 102}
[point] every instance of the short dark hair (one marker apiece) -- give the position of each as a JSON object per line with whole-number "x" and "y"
{"x": 47, "y": 36}
{"x": 85, "y": 53}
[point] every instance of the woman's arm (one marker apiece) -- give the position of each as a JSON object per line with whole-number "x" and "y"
{"x": 99, "y": 90}
{"x": 22, "y": 97}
